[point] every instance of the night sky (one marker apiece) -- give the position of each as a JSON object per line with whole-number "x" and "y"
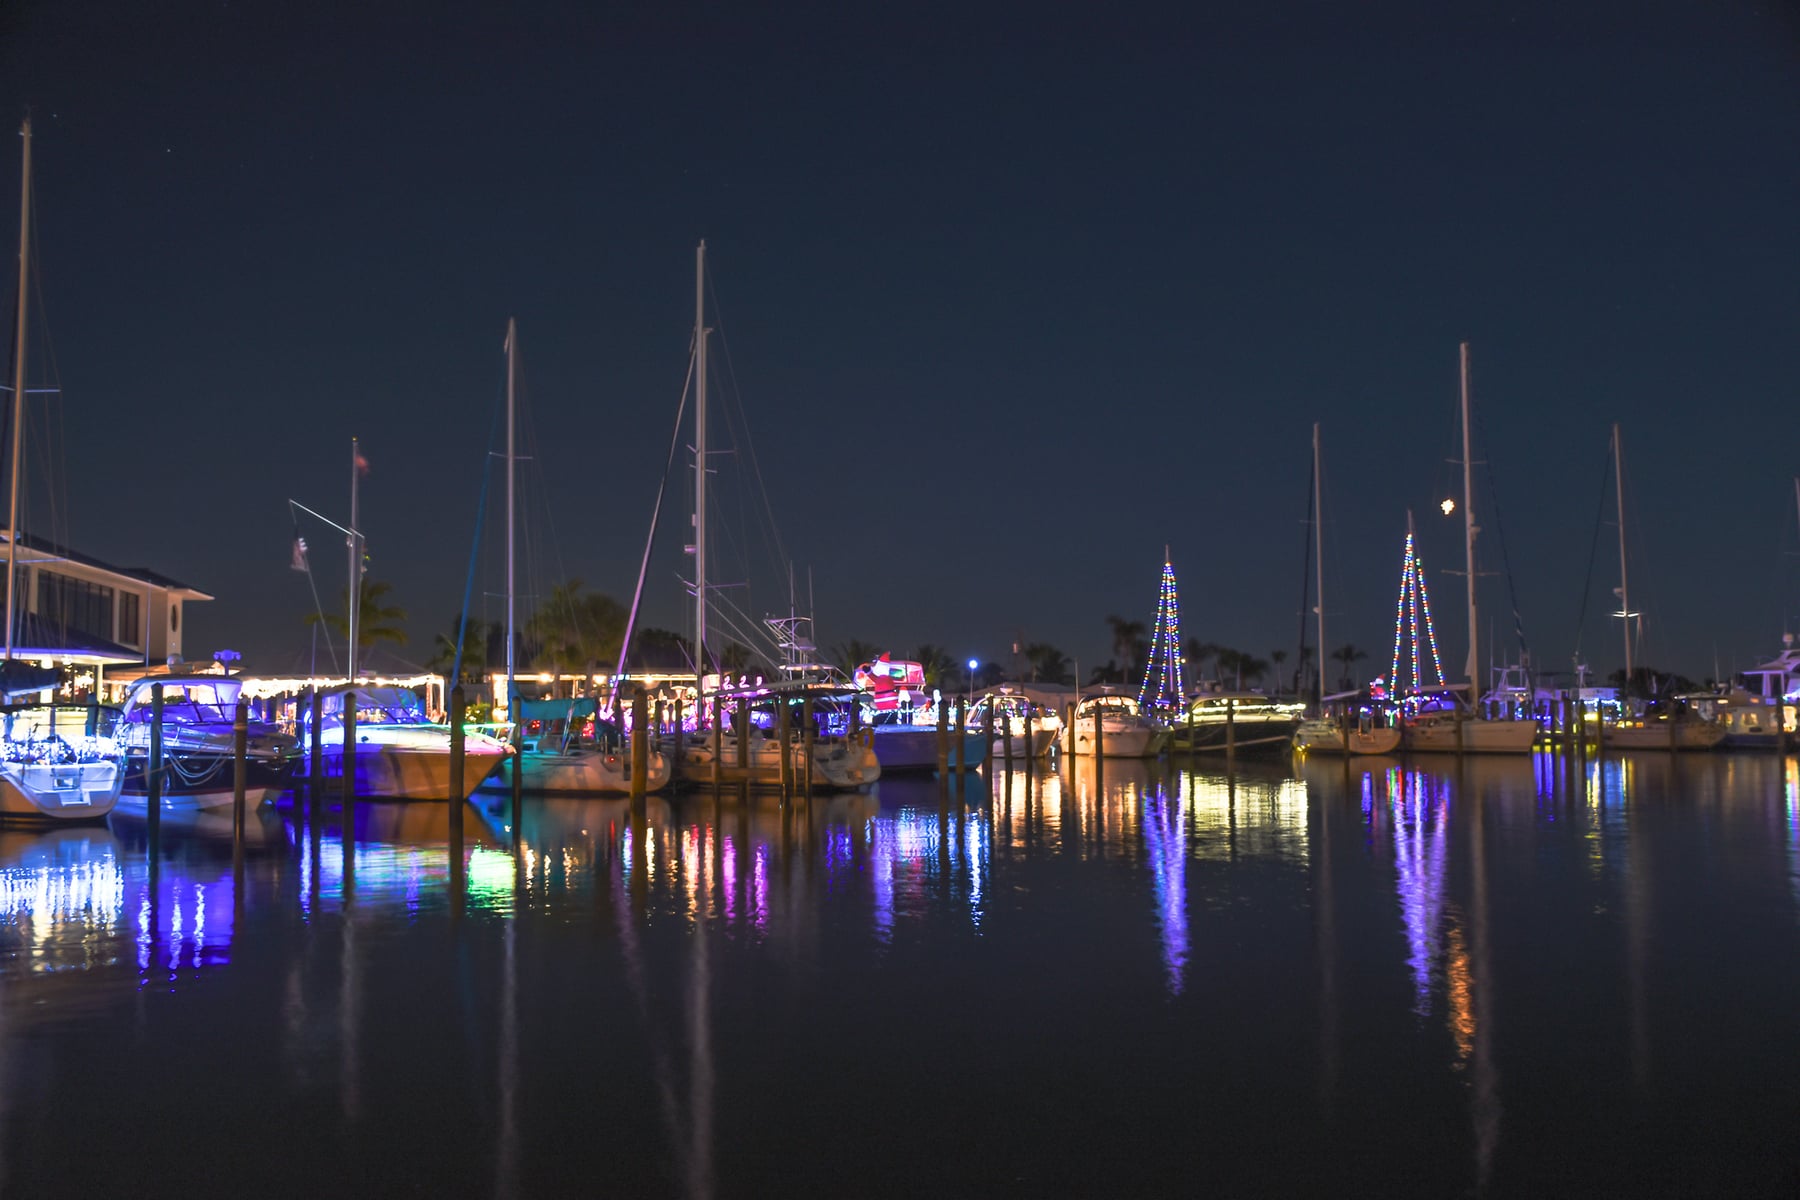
{"x": 1011, "y": 302}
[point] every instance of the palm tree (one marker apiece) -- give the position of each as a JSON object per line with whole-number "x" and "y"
{"x": 1048, "y": 664}
{"x": 654, "y": 649}
{"x": 576, "y": 630}
{"x": 1251, "y": 667}
{"x": 940, "y": 669}
{"x": 1278, "y": 657}
{"x": 851, "y": 654}
{"x": 1348, "y": 655}
{"x": 1303, "y": 667}
{"x": 477, "y": 647}
{"x": 376, "y": 622}
{"x": 1130, "y": 644}
{"x": 1199, "y": 653}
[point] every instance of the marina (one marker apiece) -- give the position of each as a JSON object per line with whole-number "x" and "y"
{"x": 716, "y": 604}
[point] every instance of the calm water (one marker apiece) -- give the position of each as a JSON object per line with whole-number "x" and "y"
{"x": 1406, "y": 980}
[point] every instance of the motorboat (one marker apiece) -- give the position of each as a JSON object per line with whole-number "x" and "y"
{"x": 199, "y": 744}
{"x": 59, "y": 762}
{"x": 901, "y": 746}
{"x": 1022, "y": 727}
{"x": 1245, "y": 722}
{"x": 555, "y": 759}
{"x": 1125, "y": 732}
{"x": 400, "y": 753}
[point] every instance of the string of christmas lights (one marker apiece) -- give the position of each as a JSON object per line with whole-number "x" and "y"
{"x": 1164, "y": 661}
{"x": 1414, "y": 600}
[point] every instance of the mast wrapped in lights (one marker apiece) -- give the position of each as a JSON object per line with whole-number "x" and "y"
{"x": 1164, "y": 661}
{"x": 1413, "y": 602}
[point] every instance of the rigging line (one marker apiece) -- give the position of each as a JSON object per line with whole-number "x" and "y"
{"x": 317, "y": 603}
{"x": 1512, "y": 592}
{"x": 462, "y": 624}
{"x": 53, "y": 454}
{"x": 1593, "y": 553}
{"x": 637, "y": 594}
{"x": 749, "y": 444}
{"x": 1312, "y": 477}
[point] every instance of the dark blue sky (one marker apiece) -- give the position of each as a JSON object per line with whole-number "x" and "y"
{"x": 1012, "y": 301}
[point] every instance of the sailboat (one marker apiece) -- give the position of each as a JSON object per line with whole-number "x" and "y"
{"x": 1658, "y": 727}
{"x": 555, "y": 761}
{"x": 1321, "y": 734}
{"x": 836, "y": 761}
{"x": 1459, "y": 728}
{"x": 59, "y": 762}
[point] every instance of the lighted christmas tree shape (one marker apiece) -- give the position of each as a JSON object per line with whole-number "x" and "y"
{"x": 1163, "y": 666}
{"x": 1414, "y": 604}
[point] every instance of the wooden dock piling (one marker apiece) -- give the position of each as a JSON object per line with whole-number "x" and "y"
{"x": 349, "y": 781}
{"x": 153, "y": 764}
{"x": 943, "y": 739}
{"x": 787, "y": 751}
{"x": 640, "y": 746}
{"x": 240, "y": 768}
{"x": 962, "y": 734}
{"x": 315, "y": 773}
{"x": 459, "y": 708}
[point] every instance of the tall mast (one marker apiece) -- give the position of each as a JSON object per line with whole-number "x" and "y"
{"x": 354, "y": 593}
{"x": 1319, "y": 558}
{"x": 700, "y": 460}
{"x": 1624, "y": 588}
{"x": 511, "y": 465}
{"x": 1471, "y": 667}
{"x": 18, "y": 393}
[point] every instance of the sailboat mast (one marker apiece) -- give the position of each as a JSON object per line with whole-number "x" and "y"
{"x": 1624, "y": 587}
{"x": 354, "y": 592}
{"x": 1319, "y": 559}
{"x": 512, "y": 460}
{"x": 18, "y": 393}
{"x": 700, "y": 461}
{"x": 1471, "y": 667}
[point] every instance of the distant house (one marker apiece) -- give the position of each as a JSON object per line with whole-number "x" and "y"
{"x": 71, "y": 610}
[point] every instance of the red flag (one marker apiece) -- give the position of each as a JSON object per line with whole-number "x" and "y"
{"x": 362, "y": 464}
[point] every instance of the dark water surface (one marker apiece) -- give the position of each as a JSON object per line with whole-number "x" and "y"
{"x": 1401, "y": 979}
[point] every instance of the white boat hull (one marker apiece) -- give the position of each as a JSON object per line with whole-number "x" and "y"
{"x": 60, "y": 792}
{"x": 1664, "y": 735}
{"x": 1037, "y": 747}
{"x": 1327, "y": 737}
{"x": 1475, "y": 737}
{"x": 410, "y": 772}
{"x": 1138, "y": 741}
{"x": 199, "y": 801}
{"x": 914, "y": 748}
{"x": 836, "y": 765}
{"x": 581, "y": 772}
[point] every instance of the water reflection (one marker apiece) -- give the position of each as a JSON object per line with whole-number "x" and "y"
{"x": 701, "y": 967}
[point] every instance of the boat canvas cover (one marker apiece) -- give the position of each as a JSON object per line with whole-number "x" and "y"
{"x": 557, "y": 710}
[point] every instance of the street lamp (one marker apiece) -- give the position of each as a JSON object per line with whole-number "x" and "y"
{"x": 973, "y": 663}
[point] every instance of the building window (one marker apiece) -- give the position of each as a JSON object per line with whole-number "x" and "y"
{"x": 174, "y": 618}
{"x": 75, "y": 606}
{"x": 131, "y": 619}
